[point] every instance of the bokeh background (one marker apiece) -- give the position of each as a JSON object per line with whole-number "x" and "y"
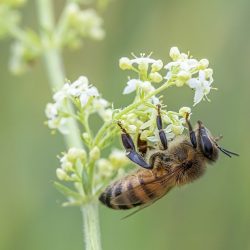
{"x": 213, "y": 213}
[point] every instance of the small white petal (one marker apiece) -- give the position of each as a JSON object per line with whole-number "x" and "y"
{"x": 202, "y": 75}
{"x": 84, "y": 99}
{"x": 131, "y": 86}
{"x": 198, "y": 95}
{"x": 92, "y": 91}
{"x": 146, "y": 124}
{"x": 193, "y": 83}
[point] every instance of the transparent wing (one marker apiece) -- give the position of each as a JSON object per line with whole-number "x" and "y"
{"x": 156, "y": 188}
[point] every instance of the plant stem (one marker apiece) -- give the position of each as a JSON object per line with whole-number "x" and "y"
{"x": 54, "y": 67}
{"x": 91, "y": 226}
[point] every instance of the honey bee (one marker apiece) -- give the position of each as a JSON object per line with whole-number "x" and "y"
{"x": 170, "y": 164}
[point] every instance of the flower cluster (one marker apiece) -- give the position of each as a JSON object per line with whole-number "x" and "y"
{"x": 88, "y": 170}
{"x": 76, "y": 24}
{"x": 72, "y": 164}
{"x": 85, "y": 98}
{"x": 110, "y": 167}
{"x": 185, "y": 70}
{"x": 143, "y": 122}
{"x": 73, "y": 170}
{"x": 10, "y": 18}
{"x": 148, "y": 70}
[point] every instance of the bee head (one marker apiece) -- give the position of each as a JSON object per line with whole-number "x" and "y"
{"x": 208, "y": 144}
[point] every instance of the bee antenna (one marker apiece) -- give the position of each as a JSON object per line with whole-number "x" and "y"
{"x": 227, "y": 152}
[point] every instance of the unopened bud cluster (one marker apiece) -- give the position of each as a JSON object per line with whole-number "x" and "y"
{"x": 74, "y": 24}
{"x": 72, "y": 164}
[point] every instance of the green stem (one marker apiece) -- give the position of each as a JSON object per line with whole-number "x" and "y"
{"x": 126, "y": 110}
{"x": 91, "y": 226}
{"x": 54, "y": 66}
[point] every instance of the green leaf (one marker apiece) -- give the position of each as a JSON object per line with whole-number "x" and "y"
{"x": 67, "y": 191}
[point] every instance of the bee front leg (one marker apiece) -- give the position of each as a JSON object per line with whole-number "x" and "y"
{"x": 162, "y": 134}
{"x": 131, "y": 151}
{"x": 191, "y": 132}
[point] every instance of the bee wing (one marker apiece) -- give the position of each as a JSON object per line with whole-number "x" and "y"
{"x": 150, "y": 186}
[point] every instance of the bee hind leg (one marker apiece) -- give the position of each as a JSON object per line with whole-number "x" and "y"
{"x": 191, "y": 132}
{"x": 131, "y": 151}
{"x": 162, "y": 135}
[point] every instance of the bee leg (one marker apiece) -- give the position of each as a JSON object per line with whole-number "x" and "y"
{"x": 130, "y": 149}
{"x": 191, "y": 132}
{"x": 162, "y": 134}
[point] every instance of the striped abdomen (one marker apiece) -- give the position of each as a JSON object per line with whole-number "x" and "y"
{"x": 142, "y": 187}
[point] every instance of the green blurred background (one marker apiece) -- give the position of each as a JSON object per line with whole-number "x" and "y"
{"x": 214, "y": 212}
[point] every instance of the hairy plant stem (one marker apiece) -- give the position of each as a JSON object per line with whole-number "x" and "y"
{"x": 91, "y": 225}
{"x": 54, "y": 67}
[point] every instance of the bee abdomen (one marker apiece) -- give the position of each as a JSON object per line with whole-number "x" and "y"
{"x": 120, "y": 195}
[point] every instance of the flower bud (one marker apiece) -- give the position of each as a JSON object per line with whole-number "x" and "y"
{"x": 125, "y": 63}
{"x": 94, "y": 154}
{"x": 76, "y": 153}
{"x": 61, "y": 174}
{"x": 118, "y": 158}
{"x": 174, "y": 53}
{"x": 179, "y": 83}
{"x": 177, "y": 129}
{"x": 184, "y": 76}
{"x": 132, "y": 129}
{"x": 155, "y": 77}
{"x": 105, "y": 168}
{"x": 156, "y": 66}
{"x": 203, "y": 63}
{"x": 67, "y": 166}
{"x": 184, "y": 110}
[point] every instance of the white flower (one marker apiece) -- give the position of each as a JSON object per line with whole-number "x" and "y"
{"x": 81, "y": 89}
{"x": 59, "y": 123}
{"x": 60, "y": 95}
{"x": 133, "y": 84}
{"x": 182, "y": 67}
{"x": 78, "y": 87}
{"x": 201, "y": 85}
{"x": 51, "y": 110}
{"x": 143, "y": 60}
